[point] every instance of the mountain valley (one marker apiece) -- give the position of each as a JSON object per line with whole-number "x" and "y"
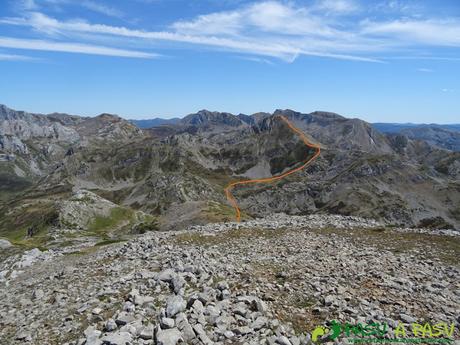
{"x": 173, "y": 175}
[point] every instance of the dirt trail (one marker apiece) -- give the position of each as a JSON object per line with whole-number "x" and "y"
{"x": 227, "y": 189}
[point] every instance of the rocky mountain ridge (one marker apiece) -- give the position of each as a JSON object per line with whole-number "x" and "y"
{"x": 397, "y": 127}
{"x": 443, "y": 136}
{"x": 175, "y": 174}
{"x": 435, "y": 136}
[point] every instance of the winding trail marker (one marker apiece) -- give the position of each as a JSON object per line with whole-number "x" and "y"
{"x": 302, "y": 136}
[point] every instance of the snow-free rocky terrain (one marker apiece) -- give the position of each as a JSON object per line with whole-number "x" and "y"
{"x": 266, "y": 281}
{"x": 55, "y": 168}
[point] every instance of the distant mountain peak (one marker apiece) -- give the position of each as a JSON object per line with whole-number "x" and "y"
{"x": 6, "y": 111}
{"x": 214, "y": 118}
{"x": 327, "y": 114}
{"x": 107, "y": 116}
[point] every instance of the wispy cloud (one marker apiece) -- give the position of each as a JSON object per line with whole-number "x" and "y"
{"x": 256, "y": 59}
{"x": 337, "y": 6}
{"x": 13, "y": 57}
{"x": 44, "y": 45}
{"x": 26, "y": 5}
{"x": 444, "y": 32}
{"x": 103, "y": 9}
{"x": 268, "y": 29}
{"x": 398, "y": 6}
{"x": 95, "y": 6}
{"x": 422, "y": 57}
{"x": 269, "y": 16}
{"x": 425, "y": 70}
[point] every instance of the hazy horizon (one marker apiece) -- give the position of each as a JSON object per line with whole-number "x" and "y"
{"x": 180, "y": 116}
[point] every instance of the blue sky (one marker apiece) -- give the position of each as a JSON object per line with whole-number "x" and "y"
{"x": 382, "y": 60}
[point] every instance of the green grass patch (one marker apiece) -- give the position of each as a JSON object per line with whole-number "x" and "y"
{"x": 101, "y": 224}
{"x": 28, "y": 225}
{"x": 108, "y": 242}
{"x": 217, "y": 212}
{"x": 147, "y": 223}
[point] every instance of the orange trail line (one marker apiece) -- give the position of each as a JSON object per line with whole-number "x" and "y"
{"x": 302, "y": 136}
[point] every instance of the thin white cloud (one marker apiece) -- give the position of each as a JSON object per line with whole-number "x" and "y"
{"x": 101, "y": 8}
{"x": 228, "y": 23}
{"x": 337, "y": 6}
{"x": 13, "y": 57}
{"x": 271, "y": 17}
{"x": 276, "y": 44}
{"x": 256, "y": 59}
{"x": 92, "y": 5}
{"x": 397, "y": 6}
{"x": 269, "y": 29}
{"x": 444, "y": 32}
{"x": 26, "y": 5}
{"x": 32, "y": 44}
{"x": 421, "y": 57}
{"x": 425, "y": 70}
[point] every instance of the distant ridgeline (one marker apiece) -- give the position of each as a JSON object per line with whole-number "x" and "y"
{"x": 443, "y": 136}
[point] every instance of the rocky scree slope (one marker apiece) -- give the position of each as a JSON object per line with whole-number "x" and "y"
{"x": 266, "y": 281}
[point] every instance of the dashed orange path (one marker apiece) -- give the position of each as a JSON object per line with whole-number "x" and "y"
{"x": 227, "y": 189}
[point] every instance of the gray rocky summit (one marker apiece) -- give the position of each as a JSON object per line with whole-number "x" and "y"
{"x": 267, "y": 281}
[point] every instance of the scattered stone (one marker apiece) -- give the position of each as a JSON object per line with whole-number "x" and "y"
{"x": 166, "y": 275}
{"x": 147, "y": 332}
{"x": 38, "y": 294}
{"x": 4, "y": 244}
{"x": 117, "y": 338}
{"x": 24, "y": 336}
{"x": 168, "y": 337}
{"x": 234, "y": 289}
{"x": 92, "y": 336}
{"x": 282, "y": 340}
{"x": 124, "y": 318}
{"x": 167, "y": 322}
{"x": 174, "y": 305}
{"x": 406, "y": 318}
{"x": 110, "y": 325}
{"x": 96, "y": 311}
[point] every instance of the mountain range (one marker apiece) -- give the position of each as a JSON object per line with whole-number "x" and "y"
{"x": 398, "y": 127}
{"x": 149, "y": 123}
{"x": 445, "y": 136}
{"x": 65, "y": 177}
